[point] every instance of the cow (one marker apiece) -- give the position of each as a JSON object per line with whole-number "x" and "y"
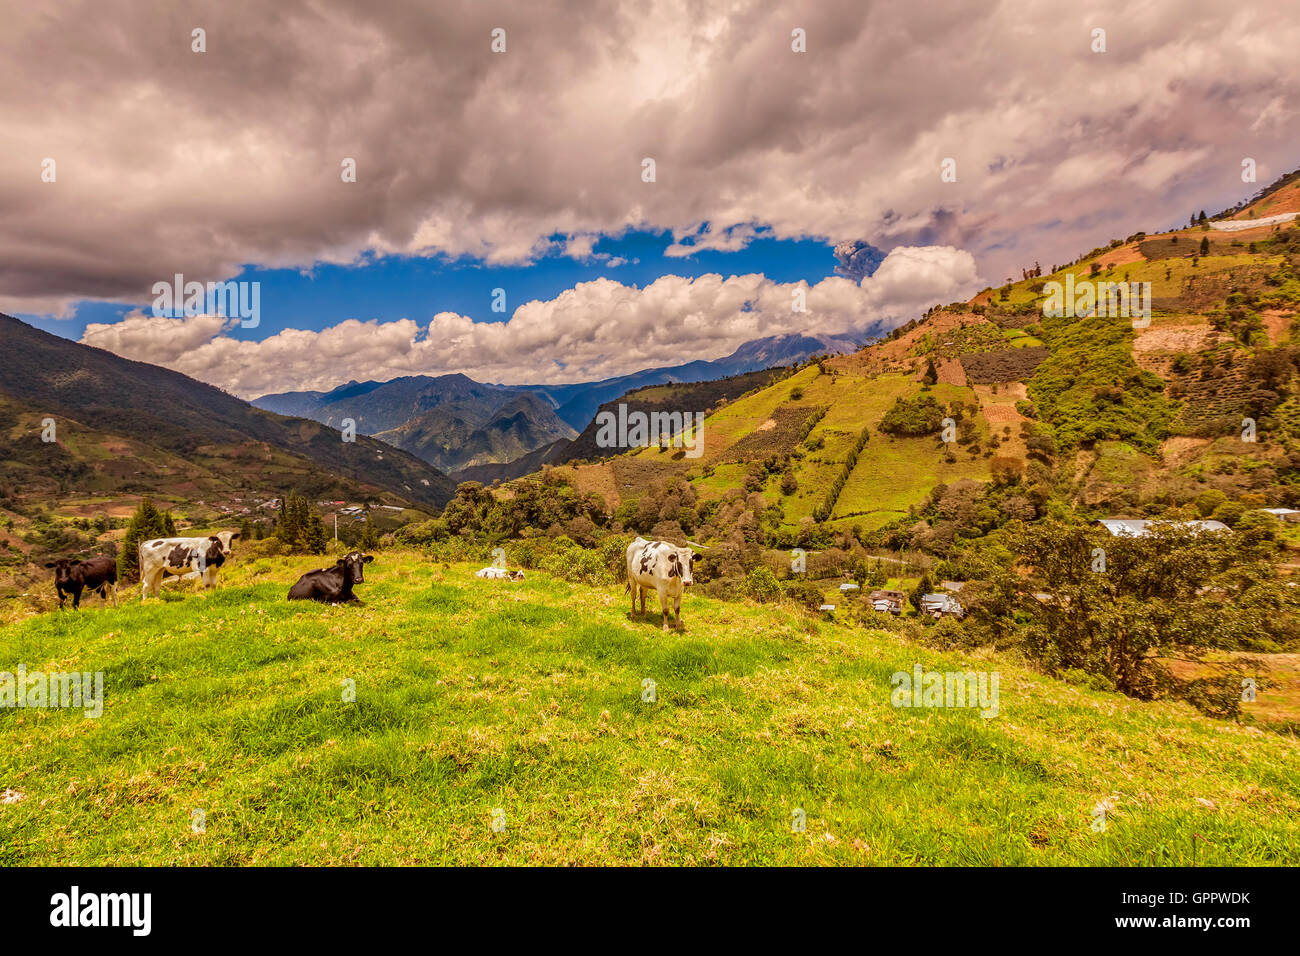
{"x": 662, "y": 567}
{"x": 97, "y": 575}
{"x": 183, "y": 557}
{"x": 333, "y": 585}
{"x": 498, "y": 574}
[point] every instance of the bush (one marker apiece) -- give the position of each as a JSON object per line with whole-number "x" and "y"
{"x": 760, "y": 584}
{"x": 804, "y": 593}
{"x": 912, "y": 417}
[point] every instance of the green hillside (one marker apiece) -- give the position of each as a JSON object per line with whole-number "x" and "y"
{"x": 473, "y": 696}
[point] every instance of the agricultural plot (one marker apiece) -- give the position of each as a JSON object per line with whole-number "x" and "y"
{"x": 894, "y": 473}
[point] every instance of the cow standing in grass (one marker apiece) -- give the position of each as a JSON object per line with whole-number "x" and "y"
{"x": 184, "y": 558}
{"x": 97, "y": 575}
{"x": 663, "y": 568}
{"x": 333, "y": 585}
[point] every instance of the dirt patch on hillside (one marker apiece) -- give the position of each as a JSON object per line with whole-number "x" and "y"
{"x": 1181, "y": 449}
{"x": 950, "y": 372}
{"x": 999, "y": 414}
{"x": 1122, "y": 255}
{"x": 894, "y": 355}
{"x": 1174, "y": 338}
{"x": 1276, "y": 324}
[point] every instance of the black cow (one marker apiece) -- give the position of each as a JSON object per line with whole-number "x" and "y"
{"x": 333, "y": 585}
{"x": 97, "y": 575}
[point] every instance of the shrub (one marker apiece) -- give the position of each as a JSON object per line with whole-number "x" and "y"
{"x": 912, "y": 417}
{"x": 760, "y": 584}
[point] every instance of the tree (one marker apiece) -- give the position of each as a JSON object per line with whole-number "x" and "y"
{"x": 317, "y": 538}
{"x": 147, "y": 522}
{"x": 369, "y": 534}
{"x": 1114, "y": 607}
{"x": 1205, "y": 245}
{"x": 923, "y": 587}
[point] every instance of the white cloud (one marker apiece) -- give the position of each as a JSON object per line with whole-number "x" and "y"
{"x": 599, "y": 329}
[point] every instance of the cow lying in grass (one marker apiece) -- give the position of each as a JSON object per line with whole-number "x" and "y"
{"x": 333, "y": 585}
{"x": 662, "y": 567}
{"x": 97, "y": 575}
{"x": 499, "y": 574}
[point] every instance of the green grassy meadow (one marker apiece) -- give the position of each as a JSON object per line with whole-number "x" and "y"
{"x": 474, "y": 696}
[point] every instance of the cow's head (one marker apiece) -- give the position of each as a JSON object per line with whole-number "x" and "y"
{"x": 680, "y": 564}
{"x": 215, "y": 555}
{"x": 354, "y": 566}
{"x": 227, "y": 539}
{"x": 63, "y": 569}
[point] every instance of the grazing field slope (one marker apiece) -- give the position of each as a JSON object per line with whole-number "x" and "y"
{"x": 474, "y": 696}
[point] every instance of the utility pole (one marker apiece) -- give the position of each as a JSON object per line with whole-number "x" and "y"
{"x": 336, "y": 526}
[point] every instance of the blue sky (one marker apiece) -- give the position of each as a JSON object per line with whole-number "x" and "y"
{"x": 394, "y": 287}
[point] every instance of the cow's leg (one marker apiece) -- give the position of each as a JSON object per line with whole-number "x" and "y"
{"x": 663, "y": 604}
{"x": 633, "y": 589}
{"x": 76, "y": 599}
{"x": 642, "y": 590}
{"x": 677, "y": 610}
{"x": 59, "y": 590}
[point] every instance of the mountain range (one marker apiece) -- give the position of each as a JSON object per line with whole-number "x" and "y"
{"x": 456, "y": 423}
{"x": 82, "y": 419}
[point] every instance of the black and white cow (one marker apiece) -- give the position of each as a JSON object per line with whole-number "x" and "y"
{"x": 97, "y": 575}
{"x": 333, "y": 585}
{"x": 662, "y": 567}
{"x": 183, "y": 557}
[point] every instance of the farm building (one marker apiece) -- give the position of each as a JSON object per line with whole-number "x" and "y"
{"x": 1140, "y": 527}
{"x": 889, "y": 602}
{"x": 939, "y": 605}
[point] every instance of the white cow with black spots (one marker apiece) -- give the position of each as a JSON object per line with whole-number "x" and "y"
{"x": 183, "y": 557}
{"x": 662, "y": 567}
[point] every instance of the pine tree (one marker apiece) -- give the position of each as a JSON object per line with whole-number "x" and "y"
{"x": 1205, "y": 245}
{"x": 923, "y": 587}
{"x": 147, "y": 522}
{"x": 369, "y": 534}
{"x": 316, "y": 536}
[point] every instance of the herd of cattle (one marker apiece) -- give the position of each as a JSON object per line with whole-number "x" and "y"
{"x": 197, "y": 559}
{"x": 651, "y": 566}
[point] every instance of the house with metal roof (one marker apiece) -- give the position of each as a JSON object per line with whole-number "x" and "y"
{"x": 888, "y": 602}
{"x": 1140, "y": 527}
{"x": 937, "y": 605}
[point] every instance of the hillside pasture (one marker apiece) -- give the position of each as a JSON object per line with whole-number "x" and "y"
{"x": 527, "y": 698}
